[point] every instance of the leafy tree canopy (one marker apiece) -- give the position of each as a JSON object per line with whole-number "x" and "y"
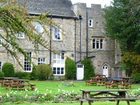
{"x": 15, "y": 19}
{"x": 122, "y": 22}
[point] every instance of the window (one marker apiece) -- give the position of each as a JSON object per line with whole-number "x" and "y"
{"x": 58, "y": 70}
{"x": 38, "y": 27}
{"x": 27, "y": 62}
{"x": 57, "y": 34}
{"x": 58, "y": 58}
{"x": 21, "y": 35}
{"x": 58, "y": 64}
{"x": 41, "y": 61}
{"x": 97, "y": 43}
{"x": 90, "y": 22}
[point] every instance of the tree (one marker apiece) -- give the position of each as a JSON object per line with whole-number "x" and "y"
{"x": 15, "y": 19}
{"x": 70, "y": 67}
{"x": 88, "y": 68}
{"x": 122, "y": 24}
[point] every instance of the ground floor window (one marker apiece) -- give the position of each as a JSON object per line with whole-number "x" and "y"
{"x": 27, "y": 62}
{"x": 41, "y": 60}
{"x": 58, "y": 70}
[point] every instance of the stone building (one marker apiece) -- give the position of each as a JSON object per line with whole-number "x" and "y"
{"x": 79, "y": 33}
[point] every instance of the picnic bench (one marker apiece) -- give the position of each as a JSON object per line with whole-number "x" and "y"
{"x": 16, "y": 83}
{"x": 97, "y": 80}
{"x": 91, "y": 96}
{"x": 123, "y": 83}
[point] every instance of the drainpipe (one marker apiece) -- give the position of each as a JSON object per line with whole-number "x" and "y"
{"x": 50, "y": 41}
{"x": 75, "y": 42}
{"x": 86, "y": 34}
{"x": 80, "y": 18}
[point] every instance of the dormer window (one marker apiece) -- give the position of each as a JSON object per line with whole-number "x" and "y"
{"x": 38, "y": 27}
{"x": 57, "y": 34}
{"x": 90, "y": 23}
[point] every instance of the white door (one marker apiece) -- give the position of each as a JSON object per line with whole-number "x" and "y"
{"x": 105, "y": 70}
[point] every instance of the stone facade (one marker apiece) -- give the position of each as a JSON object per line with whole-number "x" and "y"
{"x": 81, "y": 38}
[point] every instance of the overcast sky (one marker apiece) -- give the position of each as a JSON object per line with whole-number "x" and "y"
{"x": 89, "y": 2}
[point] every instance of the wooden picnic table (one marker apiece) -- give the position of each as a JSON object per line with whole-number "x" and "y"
{"x": 123, "y": 83}
{"x": 16, "y": 83}
{"x": 105, "y": 95}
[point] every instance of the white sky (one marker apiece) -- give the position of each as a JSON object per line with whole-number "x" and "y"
{"x": 89, "y": 2}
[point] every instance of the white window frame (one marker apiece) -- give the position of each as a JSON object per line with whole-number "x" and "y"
{"x": 38, "y": 27}
{"x": 21, "y": 35}
{"x": 58, "y": 66}
{"x": 97, "y": 43}
{"x": 57, "y": 33}
{"x": 58, "y": 71}
{"x": 41, "y": 60}
{"x": 27, "y": 63}
{"x": 90, "y": 22}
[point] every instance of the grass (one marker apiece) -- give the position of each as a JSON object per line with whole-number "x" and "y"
{"x": 54, "y": 87}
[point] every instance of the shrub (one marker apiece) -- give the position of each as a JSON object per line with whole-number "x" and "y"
{"x": 34, "y": 73}
{"x": 70, "y": 69}
{"x": 42, "y": 72}
{"x": 88, "y": 68}
{"x": 8, "y": 69}
{"x": 136, "y": 77}
{"x": 22, "y": 75}
{"x": 1, "y": 74}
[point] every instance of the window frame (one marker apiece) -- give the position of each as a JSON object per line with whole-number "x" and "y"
{"x": 27, "y": 63}
{"x": 97, "y": 43}
{"x": 57, "y": 33}
{"x": 41, "y": 60}
{"x": 90, "y": 22}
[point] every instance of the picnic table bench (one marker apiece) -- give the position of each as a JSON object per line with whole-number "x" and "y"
{"x": 91, "y": 96}
{"x": 16, "y": 83}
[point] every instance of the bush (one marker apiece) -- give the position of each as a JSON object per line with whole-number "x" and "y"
{"x": 136, "y": 77}
{"x": 22, "y": 75}
{"x": 88, "y": 69}
{"x": 1, "y": 74}
{"x": 34, "y": 73}
{"x": 42, "y": 72}
{"x": 70, "y": 69}
{"x": 8, "y": 70}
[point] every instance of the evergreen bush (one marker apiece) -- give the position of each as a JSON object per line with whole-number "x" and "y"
{"x": 8, "y": 69}
{"x": 22, "y": 75}
{"x": 70, "y": 69}
{"x": 1, "y": 74}
{"x": 42, "y": 72}
{"x": 88, "y": 68}
{"x": 136, "y": 77}
{"x": 34, "y": 73}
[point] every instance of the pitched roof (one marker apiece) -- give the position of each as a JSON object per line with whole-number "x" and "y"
{"x": 61, "y": 8}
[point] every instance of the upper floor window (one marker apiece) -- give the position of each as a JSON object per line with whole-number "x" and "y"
{"x": 21, "y": 35}
{"x": 41, "y": 60}
{"x": 57, "y": 34}
{"x": 97, "y": 43}
{"x": 90, "y": 23}
{"x": 58, "y": 58}
{"x": 38, "y": 27}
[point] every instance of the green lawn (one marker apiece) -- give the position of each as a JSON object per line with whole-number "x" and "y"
{"x": 55, "y": 87}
